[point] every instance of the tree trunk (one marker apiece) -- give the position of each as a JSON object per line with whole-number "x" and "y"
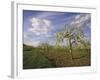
{"x": 70, "y": 48}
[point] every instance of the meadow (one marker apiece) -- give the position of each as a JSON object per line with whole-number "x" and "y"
{"x": 51, "y": 57}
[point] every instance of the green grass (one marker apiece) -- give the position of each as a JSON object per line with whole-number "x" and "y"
{"x": 32, "y": 58}
{"x": 40, "y": 58}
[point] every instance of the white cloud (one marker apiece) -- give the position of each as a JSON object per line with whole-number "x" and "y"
{"x": 85, "y": 18}
{"x": 77, "y": 16}
{"x": 40, "y": 26}
{"x": 80, "y": 19}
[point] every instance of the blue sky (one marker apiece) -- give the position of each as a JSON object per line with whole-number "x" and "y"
{"x": 41, "y": 26}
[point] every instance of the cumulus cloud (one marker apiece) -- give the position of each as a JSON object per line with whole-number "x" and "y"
{"x": 38, "y": 30}
{"x": 40, "y": 26}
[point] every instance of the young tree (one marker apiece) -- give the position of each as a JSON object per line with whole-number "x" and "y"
{"x": 73, "y": 33}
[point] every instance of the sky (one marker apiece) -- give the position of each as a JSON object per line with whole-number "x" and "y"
{"x": 41, "y": 26}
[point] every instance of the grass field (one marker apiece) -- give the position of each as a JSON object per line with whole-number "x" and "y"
{"x": 51, "y": 58}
